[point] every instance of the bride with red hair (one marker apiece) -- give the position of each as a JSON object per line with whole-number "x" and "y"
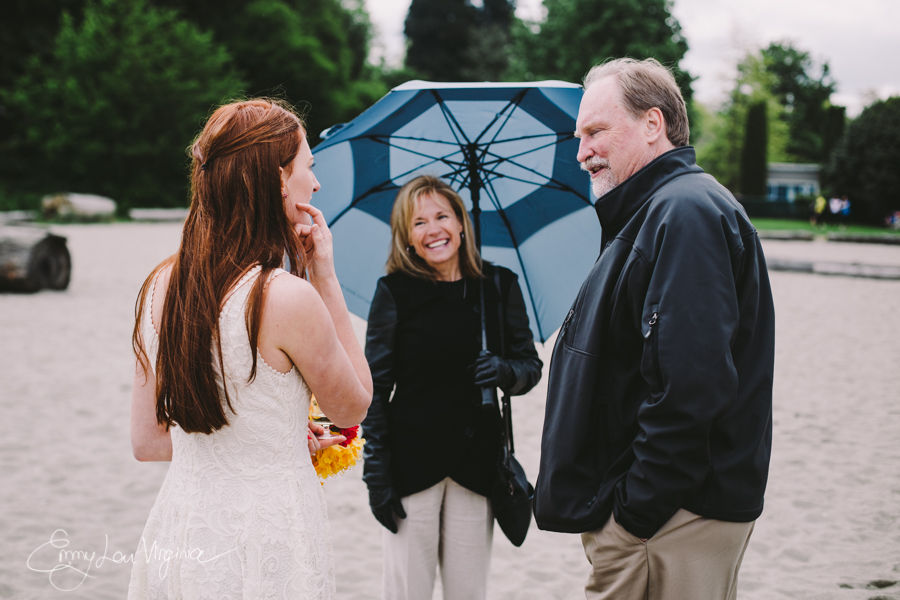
{"x": 229, "y": 347}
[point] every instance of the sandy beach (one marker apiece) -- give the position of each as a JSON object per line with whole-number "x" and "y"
{"x": 830, "y": 529}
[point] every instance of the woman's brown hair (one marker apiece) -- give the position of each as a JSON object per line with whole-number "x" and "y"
{"x": 401, "y": 258}
{"x": 237, "y": 220}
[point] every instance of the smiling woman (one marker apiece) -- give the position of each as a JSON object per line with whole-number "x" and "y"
{"x": 423, "y": 344}
{"x": 436, "y": 234}
{"x": 431, "y": 233}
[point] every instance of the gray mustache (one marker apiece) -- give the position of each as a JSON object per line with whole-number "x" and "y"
{"x": 594, "y": 162}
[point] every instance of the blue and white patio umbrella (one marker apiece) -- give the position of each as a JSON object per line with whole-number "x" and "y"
{"x": 507, "y": 148}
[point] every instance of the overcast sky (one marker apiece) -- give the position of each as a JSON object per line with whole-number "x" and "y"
{"x": 859, "y": 39}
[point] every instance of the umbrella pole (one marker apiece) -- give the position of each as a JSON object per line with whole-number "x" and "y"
{"x": 488, "y": 394}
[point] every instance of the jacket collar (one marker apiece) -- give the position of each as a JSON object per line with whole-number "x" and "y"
{"x": 618, "y": 206}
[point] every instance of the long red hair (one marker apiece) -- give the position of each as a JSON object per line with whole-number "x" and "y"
{"x": 236, "y": 221}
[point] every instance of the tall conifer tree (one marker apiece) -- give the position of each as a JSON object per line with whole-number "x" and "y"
{"x": 439, "y": 34}
{"x": 754, "y": 162}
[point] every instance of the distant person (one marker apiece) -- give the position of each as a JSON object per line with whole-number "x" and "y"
{"x": 845, "y": 209}
{"x": 229, "y": 347}
{"x": 834, "y": 209}
{"x": 893, "y": 220}
{"x": 432, "y": 449}
{"x": 658, "y": 423}
{"x": 818, "y": 208}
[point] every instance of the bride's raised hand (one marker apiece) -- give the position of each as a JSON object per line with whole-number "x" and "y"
{"x": 317, "y": 242}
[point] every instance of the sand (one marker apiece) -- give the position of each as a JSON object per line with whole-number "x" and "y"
{"x": 830, "y": 529}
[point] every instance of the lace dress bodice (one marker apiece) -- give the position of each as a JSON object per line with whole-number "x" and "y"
{"x": 241, "y": 513}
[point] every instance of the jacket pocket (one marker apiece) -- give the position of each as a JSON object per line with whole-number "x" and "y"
{"x": 650, "y": 365}
{"x": 566, "y": 489}
{"x": 565, "y": 326}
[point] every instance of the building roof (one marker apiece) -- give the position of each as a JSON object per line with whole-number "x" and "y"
{"x": 794, "y": 167}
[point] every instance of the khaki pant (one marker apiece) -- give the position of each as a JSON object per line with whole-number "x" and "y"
{"x": 689, "y": 558}
{"x": 445, "y": 525}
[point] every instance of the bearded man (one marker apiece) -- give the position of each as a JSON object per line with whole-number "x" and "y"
{"x": 658, "y": 424}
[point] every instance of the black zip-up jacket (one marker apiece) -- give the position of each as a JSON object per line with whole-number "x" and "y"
{"x": 426, "y": 422}
{"x": 660, "y": 388}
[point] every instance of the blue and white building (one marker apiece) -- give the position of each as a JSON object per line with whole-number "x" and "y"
{"x": 788, "y": 180}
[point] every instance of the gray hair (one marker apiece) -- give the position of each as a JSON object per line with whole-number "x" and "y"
{"x": 647, "y": 84}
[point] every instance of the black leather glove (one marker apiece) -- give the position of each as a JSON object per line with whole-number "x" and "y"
{"x": 385, "y": 504}
{"x": 494, "y": 371}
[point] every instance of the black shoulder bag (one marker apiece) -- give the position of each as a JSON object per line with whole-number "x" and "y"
{"x": 512, "y": 494}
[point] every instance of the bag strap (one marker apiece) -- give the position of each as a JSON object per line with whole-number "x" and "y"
{"x": 506, "y": 409}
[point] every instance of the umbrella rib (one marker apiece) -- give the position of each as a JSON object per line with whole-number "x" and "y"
{"x": 417, "y": 153}
{"x": 444, "y": 159}
{"x": 432, "y": 141}
{"x": 415, "y": 139}
{"x": 514, "y": 103}
{"x": 486, "y": 151}
{"x": 492, "y": 171}
{"x": 497, "y": 175}
{"x": 509, "y": 158}
{"x": 492, "y": 195}
{"x": 384, "y": 185}
{"x": 460, "y": 166}
{"x": 526, "y": 137}
{"x": 561, "y": 185}
{"x": 458, "y": 169}
{"x": 550, "y": 182}
{"x": 451, "y": 120}
{"x": 457, "y": 166}
{"x": 413, "y": 170}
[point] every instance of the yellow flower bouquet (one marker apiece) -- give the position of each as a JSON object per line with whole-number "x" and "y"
{"x": 338, "y": 458}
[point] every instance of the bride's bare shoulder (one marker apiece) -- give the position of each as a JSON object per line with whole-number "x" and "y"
{"x": 292, "y": 307}
{"x": 289, "y": 292}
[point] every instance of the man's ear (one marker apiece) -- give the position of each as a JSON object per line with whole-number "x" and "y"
{"x": 655, "y": 125}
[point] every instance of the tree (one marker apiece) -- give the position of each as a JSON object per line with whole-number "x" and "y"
{"x": 719, "y": 151}
{"x": 804, "y": 89}
{"x": 311, "y": 52}
{"x": 754, "y": 164}
{"x": 864, "y": 164}
{"x": 578, "y": 34}
{"x": 490, "y": 45}
{"x": 802, "y": 124}
{"x": 832, "y": 129}
{"x": 27, "y": 30}
{"x": 452, "y": 40}
{"x": 111, "y": 109}
{"x": 439, "y": 34}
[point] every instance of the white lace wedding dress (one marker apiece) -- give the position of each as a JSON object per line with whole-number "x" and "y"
{"x": 241, "y": 513}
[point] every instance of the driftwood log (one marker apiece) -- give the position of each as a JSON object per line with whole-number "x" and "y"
{"x": 78, "y": 207}
{"x": 32, "y": 259}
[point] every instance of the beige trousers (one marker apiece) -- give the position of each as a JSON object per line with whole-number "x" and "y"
{"x": 689, "y": 558}
{"x": 447, "y": 526}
